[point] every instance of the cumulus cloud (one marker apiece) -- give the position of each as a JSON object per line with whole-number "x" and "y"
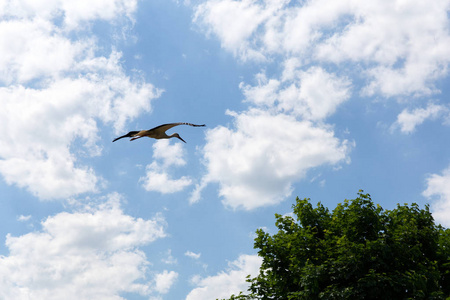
{"x": 438, "y": 191}
{"x": 56, "y": 88}
{"x": 39, "y": 36}
{"x": 276, "y": 140}
{"x": 91, "y": 253}
{"x": 36, "y": 42}
{"x": 282, "y": 134}
{"x": 408, "y": 120}
{"x": 313, "y": 94}
{"x": 74, "y": 14}
{"x": 157, "y": 177}
{"x": 398, "y": 49}
{"x": 169, "y": 154}
{"x": 164, "y": 281}
{"x": 401, "y": 46}
{"x": 243, "y": 18}
{"x": 228, "y": 282}
{"x": 256, "y": 163}
{"x": 158, "y": 180}
{"x": 42, "y": 124}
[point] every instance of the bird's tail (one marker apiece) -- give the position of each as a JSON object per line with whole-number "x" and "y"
{"x": 129, "y": 134}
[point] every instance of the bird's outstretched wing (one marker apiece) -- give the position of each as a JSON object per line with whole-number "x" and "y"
{"x": 129, "y": 134}
{"x": 166, "y": 127}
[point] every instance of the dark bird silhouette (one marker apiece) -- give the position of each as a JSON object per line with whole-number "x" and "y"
{"x": 158, "y": 132}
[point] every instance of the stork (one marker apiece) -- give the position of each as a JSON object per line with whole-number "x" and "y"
{"x": 158, "y": 132}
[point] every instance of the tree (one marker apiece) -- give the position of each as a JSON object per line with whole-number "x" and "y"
{"x": 357, "y": 251}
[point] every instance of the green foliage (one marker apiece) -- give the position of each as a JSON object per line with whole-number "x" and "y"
{"x": 358, "y": 251}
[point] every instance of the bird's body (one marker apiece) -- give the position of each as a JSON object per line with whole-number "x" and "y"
{"x": 158, "y": 132}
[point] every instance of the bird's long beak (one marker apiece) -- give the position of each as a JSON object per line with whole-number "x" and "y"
{"x": 180, "y": 138}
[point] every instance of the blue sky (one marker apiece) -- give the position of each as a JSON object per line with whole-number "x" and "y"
{"x": 315, "y": 99}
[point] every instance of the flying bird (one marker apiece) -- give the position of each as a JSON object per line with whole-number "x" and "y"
{"x": 158, "y": 132}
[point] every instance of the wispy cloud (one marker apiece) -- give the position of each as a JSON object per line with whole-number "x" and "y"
{"x": 169, "y": 259}
{"x": 23, "y": 218}
{"x": 192, "y": 254}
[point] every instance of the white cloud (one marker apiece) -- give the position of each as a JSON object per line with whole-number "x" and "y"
{"x": 196, "y": 193}
{"x": 401, "y": 46}
{"x": 23, "y": 218}
{"x": 438, "y": 190}
{"x": 164, "y": 281}
{"x": 170, "y": 154}
{"x": 159, "y": 181}
{"x": 74, "y": 14}
{"x": 264, "y": 94}
{"x": 404, "y": 42}
{"x": 398, "y": 48}
{"x": 192, "y": 254}
{"x": 313, "y": 94}
{"x": 235, "y": 22}
{"x": 91, "y": 253}
{"x": 57, "y": 90}
{"x": 281, "y": 136}
{"x": 170, "y": 260}
{"x": 232, "y": 281}
{"x": 42, "y": 124}
{"x": 242, "y": 17}
{"x": 408, "y": 120}
{"x": 36, "y": 42}
{"x": 256, "y": 164}
{"x": 317, "y": 96}
{"x": 31, "y": 35}
{"x": 157, "y": 177}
